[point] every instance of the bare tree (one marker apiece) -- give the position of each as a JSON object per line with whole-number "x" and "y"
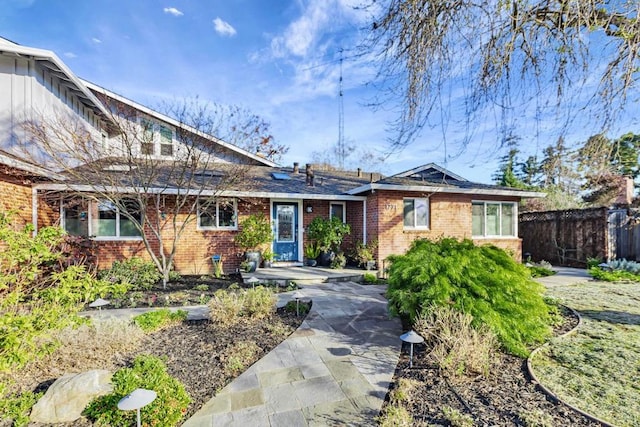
{"x": 154, "y": 178}
{"x": 566, "y": 57}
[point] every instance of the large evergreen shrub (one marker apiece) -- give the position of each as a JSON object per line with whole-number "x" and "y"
{"x": 483, "y": 281}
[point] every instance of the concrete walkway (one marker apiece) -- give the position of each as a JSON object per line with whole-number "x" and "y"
{"x": 565, "y": 276}
{"x": 334, "y": 370}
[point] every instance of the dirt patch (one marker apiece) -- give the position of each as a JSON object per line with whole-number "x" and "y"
{"x": 506, "y": 398}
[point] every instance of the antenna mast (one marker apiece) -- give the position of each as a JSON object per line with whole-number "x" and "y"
{"x": 341, "y": 147}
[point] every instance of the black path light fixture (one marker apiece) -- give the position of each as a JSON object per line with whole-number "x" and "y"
{"x": 413, "y": 338}
{"x": 137, "y": 399}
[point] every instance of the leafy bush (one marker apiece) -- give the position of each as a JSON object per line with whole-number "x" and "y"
{"x": 255, "y": 230}
{"x": 300, "y": 307}
{"x": 153, "y": 320}
{"x": 338, "y": 261}
{"x": 148, "y": 372}
{"x": 483, "y": 281}
{"x": 537, "y": 271}
{"x": 16, "y": 408}
{"x": 623, "y": 265}
{"x": 227, "y": 307}
{"x": 613, "y": 275}
{"x": 370, "y": 278}
{"x": 38, "y": 294}
{"x": 140, "y": 274}
{"x": 328, "y": 233}
{"x": 454, "y": 345}
{"x": 239, "y": 356}
{"x": 259, "y": 303}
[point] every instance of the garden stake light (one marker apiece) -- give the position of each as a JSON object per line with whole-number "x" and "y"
{"x": 412, "y": 338}
{"x": 297, "y": 296}
{"x": 99, "y": 303}
{"x": 253, "y": 280}
{"x": 137, "y": 399}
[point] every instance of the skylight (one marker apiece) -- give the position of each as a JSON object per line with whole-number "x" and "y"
{"x": 278, "y": 176}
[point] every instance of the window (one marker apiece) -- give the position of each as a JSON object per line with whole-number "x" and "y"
{"x": 102, "y": 219}
{"x": 220, "y": 214}
{"x": 166, "y": 141}
{"x": 338, "y": 210}
{"x": 156, "y": 134}
{"x": 493, "y": 219}
{"x": 416, "y": 213}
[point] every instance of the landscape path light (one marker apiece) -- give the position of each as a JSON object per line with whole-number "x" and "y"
{"x": 137, "y": 399}
{"x": 297, "y": 296}
{"x": 253, "y": 280}
{"x": 413, "y": 338}
{"x": 99, "y": 303}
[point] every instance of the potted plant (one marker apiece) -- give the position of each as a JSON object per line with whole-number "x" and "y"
{"x": 267, "y": 258}
{"x": 328, "y": 234}
{"x": 363, "y": 254}
{"x": 311, "y": 252}
{"x": 255, "y": 231}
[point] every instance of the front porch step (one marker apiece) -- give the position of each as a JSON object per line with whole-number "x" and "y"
{"x": 285, "y": 264}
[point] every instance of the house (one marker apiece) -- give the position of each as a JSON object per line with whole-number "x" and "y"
{"x": 220, "y": 183}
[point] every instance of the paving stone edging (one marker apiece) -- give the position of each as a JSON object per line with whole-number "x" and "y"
{"x": 550, "y": 393}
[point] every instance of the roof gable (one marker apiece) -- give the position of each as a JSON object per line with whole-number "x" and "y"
{"x": 430, "y": 172}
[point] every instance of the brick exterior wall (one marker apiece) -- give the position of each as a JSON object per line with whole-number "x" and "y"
{"x": 16, "y": 197}
{"x": 449, "y": 215}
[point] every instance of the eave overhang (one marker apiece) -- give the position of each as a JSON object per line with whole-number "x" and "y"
{"x": 451, "y": 190}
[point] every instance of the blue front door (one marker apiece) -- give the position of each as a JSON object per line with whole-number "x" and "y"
{"x": 285, "y": 243}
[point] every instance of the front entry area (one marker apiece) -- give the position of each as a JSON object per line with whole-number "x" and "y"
{"x": 285, "y": 243}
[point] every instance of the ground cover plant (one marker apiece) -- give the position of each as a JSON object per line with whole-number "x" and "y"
{"x": 620, "y": 270}
{"x": 482, "y": 281}
{"x": 596, "y": 369}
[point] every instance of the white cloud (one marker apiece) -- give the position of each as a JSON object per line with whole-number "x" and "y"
{"x": 173, "y": 11}
{"x": 96, "y": 40}
{"x": 224, "y": 28}
{"x": 70, "y": 55}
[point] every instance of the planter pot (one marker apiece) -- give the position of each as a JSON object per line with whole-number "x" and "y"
{"x": 251, "y": 266}
{"x": 325, "y": 258}
{"x": 311, "y": 262}
{"x": 253, "y": 258}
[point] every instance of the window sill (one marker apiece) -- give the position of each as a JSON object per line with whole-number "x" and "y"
{"x": 495, "y": 237}
{"x": 415, "y": 230}
{"x": 116, "y": 239}
{"x": 217, "y": 228}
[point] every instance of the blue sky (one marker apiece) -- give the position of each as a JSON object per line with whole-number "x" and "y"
{"x": 279, "y": 59}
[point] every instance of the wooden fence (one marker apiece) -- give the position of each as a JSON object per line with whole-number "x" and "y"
{"x": 566, "y": 237}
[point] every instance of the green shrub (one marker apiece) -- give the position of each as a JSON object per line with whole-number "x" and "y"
{"x": 328, "y": 233}
{"x": 613, "y": 276}
{"x": 141, "y": 274}
{"x": 302, "y": 307}
{"x": 239, "y": 356}
{"x": 483, "y": 281}
{"x": 153, "y": 320}
{"x": 38, "y": 293}
{"x": 370, "y": 278}
{"x": 225, "y": 306}
{"x": 150, "y": 373}
{"x": 259, "y": 303}
{"x": 16, "y": 408}
{"x": 540, "y": 271}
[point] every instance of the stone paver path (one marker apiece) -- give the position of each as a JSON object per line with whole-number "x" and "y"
{"x": 334, "y": 370}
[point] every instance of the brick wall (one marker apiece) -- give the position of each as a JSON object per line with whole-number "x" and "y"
{"x": 15, "y": 196}
{"x": 450, "y": 215}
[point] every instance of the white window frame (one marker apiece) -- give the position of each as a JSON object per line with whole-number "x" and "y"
{"x": 417, "y": 227}
{"x": 91, "y": 206}
{"x": 484, "y": 217}
{"x": 155, "y": 138}
{"x": 344, "y": 210}
{"x": 217, "y": 215}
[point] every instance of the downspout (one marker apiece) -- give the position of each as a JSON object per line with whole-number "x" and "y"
{"x": 364, "y": 221}
{"x": 34, "y": 209}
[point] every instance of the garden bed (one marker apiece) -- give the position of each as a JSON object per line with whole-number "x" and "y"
{"x": 507, "y": 397}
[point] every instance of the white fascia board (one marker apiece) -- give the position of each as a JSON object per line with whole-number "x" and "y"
{"x": 206, "y": 193}
{"x": 47, "y": 55}
{"x": 148, "y": 111}
{"x": 430, "y": 166}
{"x": 453, "y": 190}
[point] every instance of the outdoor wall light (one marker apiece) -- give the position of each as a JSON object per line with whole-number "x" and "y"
{"x": 413, "y": 338}
{"x": 309, "y": 209}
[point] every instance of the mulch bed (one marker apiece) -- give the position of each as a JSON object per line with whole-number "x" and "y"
{"x": 195, "y": 351}
{"x": 495, "y": 401}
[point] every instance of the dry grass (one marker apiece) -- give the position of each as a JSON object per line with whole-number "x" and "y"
{"x": 454, "y": 345}
{"x": 395, "y": 414}
{"x": 101, "y": 344}
{"x": 597, "y": 369}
